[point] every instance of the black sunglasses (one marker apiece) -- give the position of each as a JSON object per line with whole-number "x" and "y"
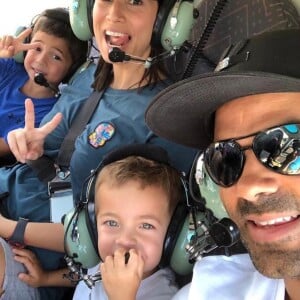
{"x": 277, "y": 148}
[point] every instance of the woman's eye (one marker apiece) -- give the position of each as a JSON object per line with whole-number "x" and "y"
{"x": 135, "y": 2}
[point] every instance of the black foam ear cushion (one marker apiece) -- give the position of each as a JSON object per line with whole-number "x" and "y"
{"x": 92, "y": 223}
{"x": 174, "y": 230}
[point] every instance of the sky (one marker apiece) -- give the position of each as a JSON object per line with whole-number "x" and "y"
{"x": 15, "y": 13}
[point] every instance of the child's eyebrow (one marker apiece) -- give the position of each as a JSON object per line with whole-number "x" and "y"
{"x": 59, "y": 50}
{"x": 107, "y": 214}
{"x": 55, "y": 48}
{"x": 151, "y": 217}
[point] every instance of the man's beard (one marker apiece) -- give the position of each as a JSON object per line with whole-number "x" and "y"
{"x": 276, "y": 259}
{"x": 273, "y": 262}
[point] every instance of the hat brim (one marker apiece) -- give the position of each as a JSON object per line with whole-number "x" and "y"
{"x": 184, "y": 111}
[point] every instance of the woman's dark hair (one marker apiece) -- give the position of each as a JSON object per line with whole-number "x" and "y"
{"x": 56, "y": 22}
{"x": 156, "y": 72}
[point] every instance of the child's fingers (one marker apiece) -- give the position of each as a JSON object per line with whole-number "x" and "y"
{"x": 119, "y": 257}
{"x": 28, "y": 264}
{"x": 29, "y": 114}
{"x": 32, "y": 265}
{"x": 25, "y": 253}
{"x": 51, "y": 125}
{"x": 23, "y": 260}
{"x": 29, "y": 279}
{"x": 43, "y": 131}
{"x": 24, "y": 34}
{"x": 11, "y": 45}
{"x": 27, "y": 143}
{"x": 28, "y": 46}
{"x": 18, "y": 144}
{"x": 25, "y": 278}
{"x": 7, "y": 46}
{"x": 7, "y": 41}
{"x": 135, "y": 258}
{"x": 140, "y": 265}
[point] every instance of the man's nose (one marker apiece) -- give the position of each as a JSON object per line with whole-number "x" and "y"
{"x": 256, "y": 179}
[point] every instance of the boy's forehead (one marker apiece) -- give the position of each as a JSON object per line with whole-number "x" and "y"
{"x": 131, "y": 196}
{"x": 132, "y": 186}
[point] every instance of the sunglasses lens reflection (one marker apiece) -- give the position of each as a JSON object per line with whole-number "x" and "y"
{"x": 277, "y": 149}
{"x": 224, "y": 162}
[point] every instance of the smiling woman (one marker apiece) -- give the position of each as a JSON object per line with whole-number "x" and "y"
{"x": 15, "y": 13}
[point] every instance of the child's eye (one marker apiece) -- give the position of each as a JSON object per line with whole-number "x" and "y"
{"x": 147, "y": 226}
{"x": 56, "y": 57}
{"x": 111, "y": 223}
{"x": 39, "y": 49}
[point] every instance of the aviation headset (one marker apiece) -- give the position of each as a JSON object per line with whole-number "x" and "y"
{"x": 80, "y": 239}
{"x": 60, "y": 15}
{"x": 224, "y": 231}
{"x": 172, "y": 27}
{"x": 203, "y": 190}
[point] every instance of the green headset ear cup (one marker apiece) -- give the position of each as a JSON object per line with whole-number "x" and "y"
{"x": 82, "y": 250}
{"x": 175, "y": 37}
{"x": 210, "y": 192}
{"x": 179, "y": 261}
{"x": 173, "y": 231}
{"x": 19, "y": 57}
{"x": 161, "y": 18}
{"x": 81, "y": 18}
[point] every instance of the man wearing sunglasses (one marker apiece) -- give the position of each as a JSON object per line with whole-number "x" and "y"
{"x": 246, "y": 118}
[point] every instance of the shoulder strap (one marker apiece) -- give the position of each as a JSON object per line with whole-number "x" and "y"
{"x": 67, "y": 147}
{"x": 44, "y": 166}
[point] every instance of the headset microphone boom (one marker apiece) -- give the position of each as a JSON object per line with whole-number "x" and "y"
{"x": 40, "y": 79}
{"x": 117, "y": 55}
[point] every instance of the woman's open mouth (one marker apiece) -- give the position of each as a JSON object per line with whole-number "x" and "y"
{"x": 116, "y": 39}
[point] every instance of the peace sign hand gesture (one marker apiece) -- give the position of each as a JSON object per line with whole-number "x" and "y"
{"x": 28, "y": 143}
{"x": 10, "y": 45}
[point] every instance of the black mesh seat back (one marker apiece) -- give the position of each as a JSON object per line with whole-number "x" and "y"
{"x": 241, "y": 19}
{"x": 238, "y": 20}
